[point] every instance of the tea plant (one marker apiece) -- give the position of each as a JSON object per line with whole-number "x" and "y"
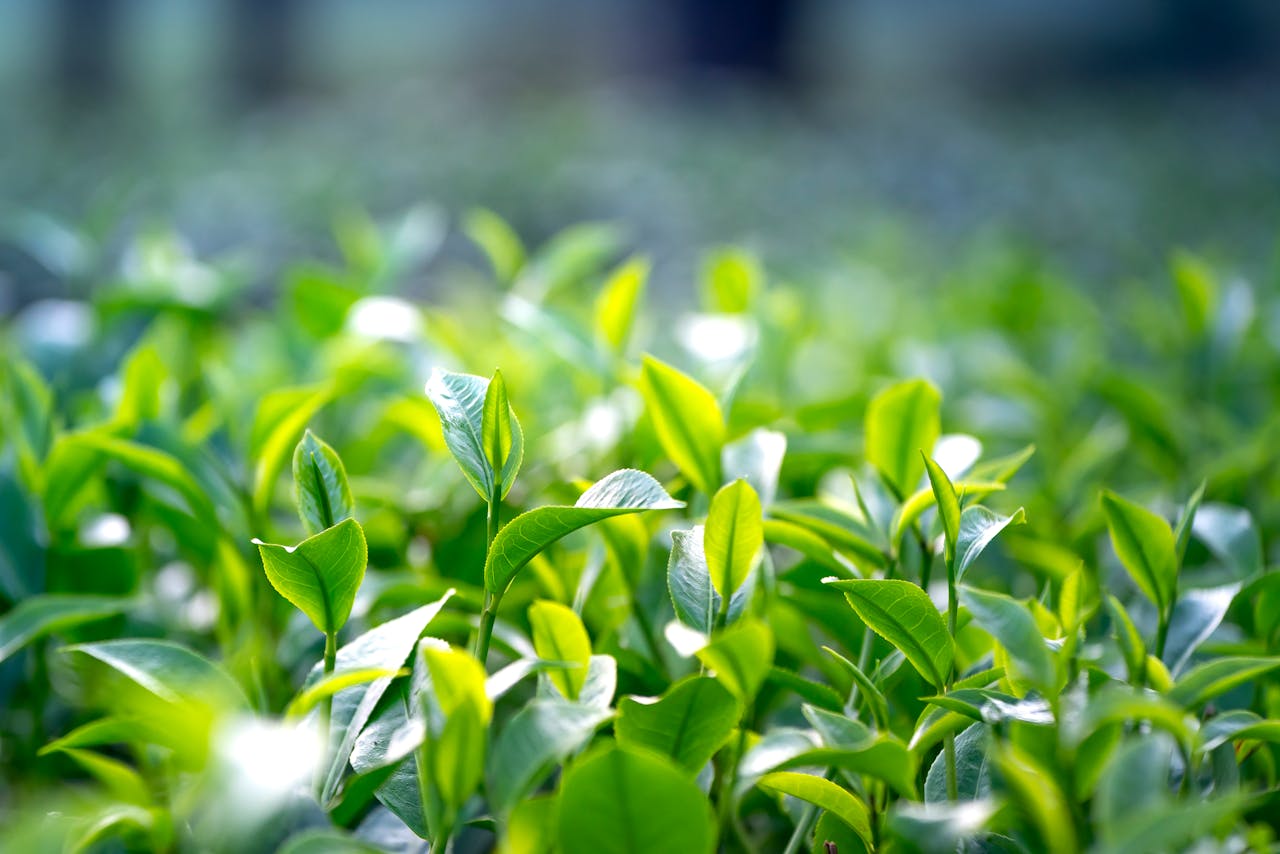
{"x": 761, "y": 625}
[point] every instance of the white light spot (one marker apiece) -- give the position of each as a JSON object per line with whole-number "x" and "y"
{"x": 385, "y": 319}
{"x": 684, "y": 640}
{"x": 717, "y": 337}
{"x": 109, "y": 529}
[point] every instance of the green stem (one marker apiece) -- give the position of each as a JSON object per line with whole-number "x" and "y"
{"x": 949, "y": 743}
{"x": 949, "y": 747}
{"x": 326, "y": 705}
{"x": 798, "y": 836}
{"x": 490, "y": 611}
{"x": 1162, "y": 633}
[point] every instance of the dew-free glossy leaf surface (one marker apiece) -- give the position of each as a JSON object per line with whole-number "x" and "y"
{"x": 624, "y": 491}
{"x": 320, "y": 485}
{"x": 1145, "y": 545}
{"x": 688, "y": 724}
{"x": 43, "y": 615}
{"x": 733, "y": 537}
{"x": 905, "y": 616}
{"x": 320, "y": 575}
{"x": 902, "y": 421}
{"x": 688, "y": 422}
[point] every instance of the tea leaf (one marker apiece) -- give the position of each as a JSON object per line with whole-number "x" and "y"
{"x": 1010, "y": 623}
{"x": 904, "y": 615}
{"x": 825, "y": 794}
{"x": 601, "y": 811}
{"x": 537, "y": 738}
{"x": 558, "y": 635}
{"x": 624, "y": 491}
{"x": 687, "y": 420}
{"x": 320, "y": 485}
{"x": 734, "y": 535}
{"x": 51, "y": 613}
{"x": 689, "y": 723}
{"x": 1144, "y": 543}
{"x": 320, "y": 575}
{"x": 902, "y": 421}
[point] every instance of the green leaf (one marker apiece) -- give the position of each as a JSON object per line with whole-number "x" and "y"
{"x": 50, "y": 613}
{"x": 1237, "y": 726}
{"x": 978, "y": 527}
{"x": 687, "y": 420}
{"x": 619, "y": 802}
{"x": 1213, "y": 678}
{"x": 938, "y": 827}
{"x": 902, "y": 421}
{"x": 807, "y": 543}
{"x": 1035, "y": 791}
{"x": 973, "y": 771}
{"x": 558, "y": 635}
{"x": 384, "y": 647}
{"x": 537, "y": 738}
{"x": 615, "y": 309}
{"x": 168, "y": 670}
{"x": 1196, "y": 615}
{"x": 944, "y": 495}
{"x": 320, "y": 485}
{"x": 904, "y": 615}
{"x": 875, "y": 700}
{"x": 850, "y": 746}
{"x": 122, "y": 781}
{"x": 1135, "y": 779}
{"x": 320, "y": 575}
{"x": 689, "y": 723}
{"x": 459, "y": 400}
{"x": 1145, "y": 545}
{"x": 150, "y": 463}
{"x": 1128, "y": 638}
{"x": 114, "y": 730}
{"x": 325, "y": 841}
{"x": 502, "y": 437}
{"x": 1182, "y": 533}
{"x": 741, "y": 656}
{"x": 281, "y": 418}
{"x": 307, "y": 699}
{"x": 1231, "y": 535}
{"x": 825, "y": 794}
{"x": 693, "y": 596}
{"x": 734, "y": 535}
{"x": 624, "y": 491}
{"x": 731, "y": 280}
{"x": 1009, "y": 622}
{"x": 499, "y": 242}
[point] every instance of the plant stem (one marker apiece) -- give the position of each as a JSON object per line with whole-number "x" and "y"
{"x": 949, "y": 748}
{"x": 485, "y": 632}
{"x": 326, "y": 705}
{"x": 1162, "y": 633}
{"x": 490, "y": 611}
{"x": 807, "y": 818}
{"x": 949, "y": 743}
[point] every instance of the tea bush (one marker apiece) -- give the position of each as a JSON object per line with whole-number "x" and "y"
{"x": 311, "y": 575}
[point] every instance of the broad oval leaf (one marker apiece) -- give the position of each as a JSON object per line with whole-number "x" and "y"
{"x": 624, "y": 491}
{"x": 320, "y": 575}
{"x": 902, "y": 421}
{"x": 537, "y": 737}
{"x": 733, "y": 537}
{"x": 688, "y": 422}
{"x": 973, "y": 771}
{"x": 1196, "y": 615}
{"x": 1231, "y": 535}
{"x": 1144, "y": 543}
{"x": 53, "y": 612}
{"x": 320, "y": 485}
{"x": 558, "y": 635}
{"x": 620, "y": 802}
{"x": 825, "y": 794}
{"x": 168, "y": 670}
{"x": 688, "y": 724}
{"x": 904, "y": 615}
{"x": 1009, "y": 622}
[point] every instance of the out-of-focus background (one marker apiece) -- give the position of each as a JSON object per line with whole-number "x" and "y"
{"x": 1100, "y": 132}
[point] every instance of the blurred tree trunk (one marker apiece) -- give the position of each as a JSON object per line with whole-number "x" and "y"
{"x": 742, "y": 36}
{"x": 264, "y": 49}
{"x": 85, "y": 51}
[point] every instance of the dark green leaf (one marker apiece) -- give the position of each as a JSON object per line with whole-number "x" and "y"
{"x": 54, "y": 612}
{"x": 904, "y": 615}
{"x": 320, "y": 485}
{"x": 1144, "y": 543}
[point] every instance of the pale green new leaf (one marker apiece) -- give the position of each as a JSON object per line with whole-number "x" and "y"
{"x": 944, "y": 495}
{"x": 733, "y": 537}
{"x": 501, "y": 435}
{"x": 904, "y": 615}
{"x": 320, "y": 485}
{"x": 624, "y": 491}
{"x": 559, "y": 636}
{"x": 688, "y": 422}
{"x": 825, "y": 794}
{"x": 901, "y": 421}
{"x": 615, "y": 309}
{"x": 740, "y": 657}
{"x": 1144, "y": 543}
{"x": 693, "y": 596}
{"x": 320, "y": 575}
